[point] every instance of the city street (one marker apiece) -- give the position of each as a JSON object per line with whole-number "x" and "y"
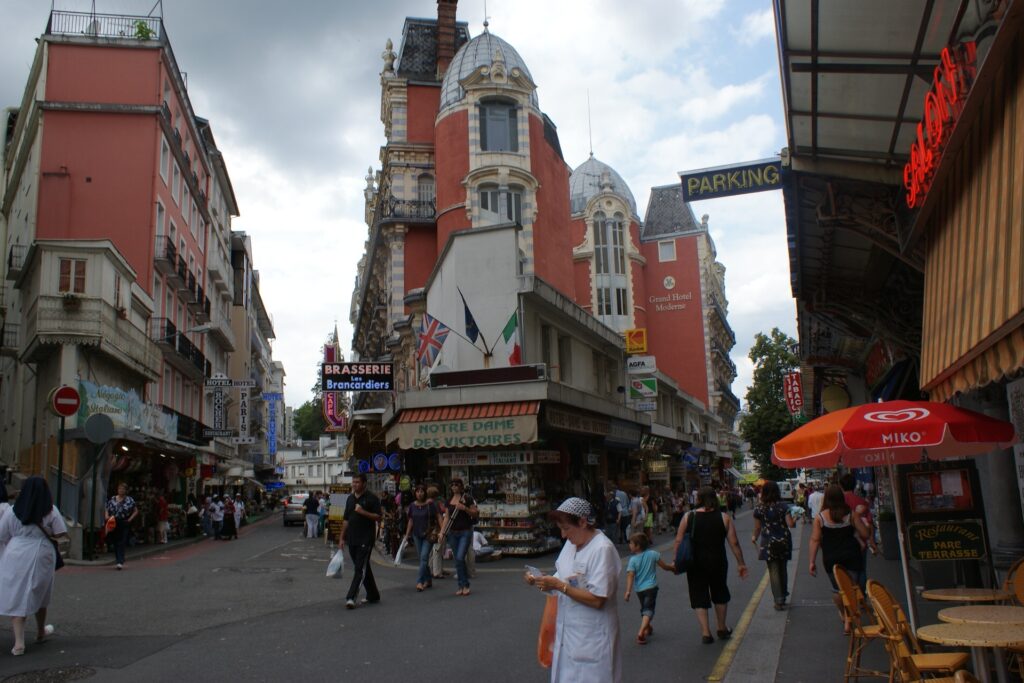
{"x": 260, "y": 608}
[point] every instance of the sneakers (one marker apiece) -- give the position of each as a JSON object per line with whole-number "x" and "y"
{"x": 350, "y": 604}
{"x": 120, "y": 567}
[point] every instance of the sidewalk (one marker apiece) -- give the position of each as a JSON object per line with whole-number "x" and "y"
{"x": 139, "y": 551}
{"x": 805, "y": 643}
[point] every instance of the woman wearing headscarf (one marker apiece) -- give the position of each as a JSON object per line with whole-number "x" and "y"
{"x": 28, "y": 562}
{"x": 586, "y": 581}
{"x": 711, "y": 529}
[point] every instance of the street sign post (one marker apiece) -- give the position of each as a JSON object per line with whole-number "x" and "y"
{"x": 64, "y": 402}
{"x": 98, "y": 429}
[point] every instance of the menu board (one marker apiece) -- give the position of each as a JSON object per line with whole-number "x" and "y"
{"x": 940, "y": 491}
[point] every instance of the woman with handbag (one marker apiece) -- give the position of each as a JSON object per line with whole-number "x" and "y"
{"x": 423, "y": 526}
{"x": 706, "y": 578}
{"x": 30, "y": 559}
{"x": 774, "y": 542}
{"x": 122, "y": 509}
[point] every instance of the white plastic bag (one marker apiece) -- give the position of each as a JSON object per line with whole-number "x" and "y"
{"x": 337, "y": 564}
{"x": 401, "y": 549}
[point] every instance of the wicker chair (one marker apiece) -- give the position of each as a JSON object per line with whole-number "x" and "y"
{"x": 854, "y": 610}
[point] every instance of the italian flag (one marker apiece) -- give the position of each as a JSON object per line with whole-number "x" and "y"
{"x": 510, "y": 333}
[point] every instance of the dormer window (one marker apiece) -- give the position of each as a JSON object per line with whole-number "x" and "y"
{"x": 498, "y": 129}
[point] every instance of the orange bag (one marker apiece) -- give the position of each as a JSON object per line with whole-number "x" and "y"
{"x": 110, "y": 525}
{"x": 546, "y": 637}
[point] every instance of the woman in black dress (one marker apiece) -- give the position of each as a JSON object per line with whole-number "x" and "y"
{"x": 841, "y": 536}
{"x": 707, "y": 578}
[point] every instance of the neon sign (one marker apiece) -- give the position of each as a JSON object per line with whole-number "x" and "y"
{"x": 943, "y": 104}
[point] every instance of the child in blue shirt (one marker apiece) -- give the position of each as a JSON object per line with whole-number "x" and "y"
{"x": 641, "y": 574}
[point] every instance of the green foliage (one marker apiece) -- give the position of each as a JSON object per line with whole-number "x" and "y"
{"x": 143, "y": 31}
{"x": 768, "y": 420}
{"x": 309, "y": 420}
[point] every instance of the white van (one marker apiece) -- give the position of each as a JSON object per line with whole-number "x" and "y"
{"x": 786, "y": 491}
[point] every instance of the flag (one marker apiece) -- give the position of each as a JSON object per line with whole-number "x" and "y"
{"x": 510, "y": 333}
{"x": 430, "y": 339}
{"x": 472, "y": 331}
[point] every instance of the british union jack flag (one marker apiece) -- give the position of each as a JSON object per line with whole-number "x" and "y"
{"x": 430, "y": 339}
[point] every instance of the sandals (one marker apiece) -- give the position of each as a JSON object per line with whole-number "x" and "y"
{"x": 419, "y": 587}
{"x": 707, "y": 640}
{"x": 641, "y": 639}
{"x": 462, "y": 591}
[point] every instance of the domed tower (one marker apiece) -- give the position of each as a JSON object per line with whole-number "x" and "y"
{"x": 498, "y": 157}
{"x": 608, "y": 266}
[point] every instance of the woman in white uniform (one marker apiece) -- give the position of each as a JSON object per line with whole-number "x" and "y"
{"x": 5, "y": 509}
{"x": 27, "y": 565}
{"x": 586, "y": 580}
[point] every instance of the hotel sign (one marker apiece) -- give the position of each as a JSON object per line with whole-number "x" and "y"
{"x": 725, "y": 181}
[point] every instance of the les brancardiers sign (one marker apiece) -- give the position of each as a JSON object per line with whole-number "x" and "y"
{"x": 356, "y": 377}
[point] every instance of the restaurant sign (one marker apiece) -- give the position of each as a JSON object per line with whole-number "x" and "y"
{"x": 725, "y": 181}
{"x": 356, "y": 377}
{"x": 962, "y": 539}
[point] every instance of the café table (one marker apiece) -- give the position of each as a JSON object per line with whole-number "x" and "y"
{"x": 978, "y": 637}
{"x": 966, "y": 594}
{"x": 983, "y": 614}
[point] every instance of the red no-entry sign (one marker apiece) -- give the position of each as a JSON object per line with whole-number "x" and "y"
{"x": 64, "y": 401}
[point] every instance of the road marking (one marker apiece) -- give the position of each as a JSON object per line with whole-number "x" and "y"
{"x": 270, "y": 550}
{"x": 729, "y": 651}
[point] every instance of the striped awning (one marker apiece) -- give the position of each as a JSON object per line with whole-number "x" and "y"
{"x": 485, "y": 425}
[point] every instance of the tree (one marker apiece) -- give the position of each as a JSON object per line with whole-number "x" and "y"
{"x": 309, "y": 420}
{"x": 768, "y": 419}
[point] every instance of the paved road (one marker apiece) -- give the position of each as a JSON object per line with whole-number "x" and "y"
{"x": 260, "y": 608}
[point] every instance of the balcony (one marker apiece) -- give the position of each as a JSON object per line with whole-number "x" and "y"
{"x": 103, "y": 25}
{"x": 221, "y": 330}
{"x": 189, "y": 291}
{"x": 165, "y": 111}
{"x": 9, "y": 339}
{"x": 413, "y": 209}
{"x": 201, "y": 307}
{"x": 16, "y": 260}
{"x": 179, "y": 351}
{"x": 190, "y": 430}
{"x": 166, "y": 256}
{"x": 52, "y": 321}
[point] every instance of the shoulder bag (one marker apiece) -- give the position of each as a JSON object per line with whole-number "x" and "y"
{"x": 59, "y": 561}
{"x": 684, "y": 553}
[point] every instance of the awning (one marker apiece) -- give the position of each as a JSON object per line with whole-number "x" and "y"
{"x": 470, "y": 426}
{"x": 734, "y": 473}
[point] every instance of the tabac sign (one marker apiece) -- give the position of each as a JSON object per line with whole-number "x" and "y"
{"x": 725, "y": 181}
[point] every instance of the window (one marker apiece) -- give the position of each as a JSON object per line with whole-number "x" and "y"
{"x": 600, "y": 245}
{"x": 501, "y": 205}
{"x": 175, "y": 182}
{"x": 186, "y": 206}
{"x": 72, "y": 276}
{"x": 564, "y": 359}
{"x": 604, "y": 301}
{"x": 667, "y": 251}
{"x": 167, "y": 386}
{"x": 498, "y": 132}
{"x": 165, "y": 158}
{"x": 117, "y": 290}
{"x": 177, "y": 393}
{"x": 618, "y": 245}
{"x": 425, "y": 188}
{"x": 609, "y": 245}
{"x": 545, "y": 345}
{"x": 156, "y": 289}
{"x": 202, "y": 236}
{"x": 620, "y": 301}
{"x": 160, "y": 218}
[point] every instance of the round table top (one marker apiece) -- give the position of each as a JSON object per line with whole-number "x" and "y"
{"x": 966, "y": 594}
{"x": 973, "y": 635}
{"x": 983, "y": 614}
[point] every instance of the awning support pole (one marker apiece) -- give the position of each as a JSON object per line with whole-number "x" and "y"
{"x": 911, "y": 604}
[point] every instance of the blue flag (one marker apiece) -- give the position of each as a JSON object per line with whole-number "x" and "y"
{"x": 472, "y": 331}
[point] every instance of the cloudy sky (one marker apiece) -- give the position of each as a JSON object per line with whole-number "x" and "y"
{"x": 292, "y": 91}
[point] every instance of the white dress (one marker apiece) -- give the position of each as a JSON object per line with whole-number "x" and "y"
{"x": 26, "y": 568}
{"x": 5, "y": 509}
{"x": 587, "y": 639}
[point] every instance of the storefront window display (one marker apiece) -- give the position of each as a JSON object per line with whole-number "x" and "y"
{"x": 150, "y": 477}
{"x": 509, "y": 487}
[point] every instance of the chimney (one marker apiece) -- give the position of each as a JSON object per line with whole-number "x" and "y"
{"x": 445, "y": 34}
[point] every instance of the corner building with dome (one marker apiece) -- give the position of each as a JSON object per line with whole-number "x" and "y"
{"x": 500, "y": 282}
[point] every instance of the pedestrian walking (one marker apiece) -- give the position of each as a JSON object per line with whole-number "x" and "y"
{"x": 586, "y": 581}
{"x": 840, "y": 534}
{"x": 707, "y": 579}
{"x": 773, "y": 539}
{"x": 122, "y": 508}
{"x": 312, "y": 507}
{"x": 163, "y": 516}
{"x": 239, "y": 513}
{"x": 30, "y": 530}
{"x": 612, "y": 514}
{"x": 637, "y": 514}
{"x": 624, "y": 513}
{"x": 423, "y": 527}
{"x": 359, "y": 529}
{"x": 815, "y": 499}
{"x": 217, "y": 517}
{"x": 5, "y": 509}
{"x": 229, "y": 530}
{"x": 862, "y": 509}
{"x": 457, "y": 526}
{"x": 642, "y": 576}
{"x": 437, "y": 554}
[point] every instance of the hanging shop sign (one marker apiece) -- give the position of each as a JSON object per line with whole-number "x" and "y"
{"x": 380, "y": 462}
{"x": 636, "y": 340}
{"x": 471, "y": 433}
{"x": 243, "y": 419}
{"x": 356, "y": 377}
{"x": 272, "y": 398}
{"x": 642, "y": 387}
{"x": 793, "y": 392}
{"x": 641, "y": 365}
{"x": 484, "y": 458}
{"x": 943, "y": 104}
{"x": 645, "y": 406}
{"x": 126, "y": 410}
{"x": 725, "y": 181}
{"x": 581, "y": 423}
{"x": 962, "y": 539}
{"x": 334, "y": 412}
{"x": 623, "y": 433}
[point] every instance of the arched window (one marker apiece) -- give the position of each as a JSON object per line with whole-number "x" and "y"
{"x": 425, "y": 188}
{"x": 498, "y": 128}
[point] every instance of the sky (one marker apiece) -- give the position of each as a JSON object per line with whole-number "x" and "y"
{"x": 292, "y": 91}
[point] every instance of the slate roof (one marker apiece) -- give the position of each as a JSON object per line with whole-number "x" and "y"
{"x": 585, "y": 182}
{"x": 471, "y": 56}
{"x": 667, "y": 213}
{"x": 417, "y": 57}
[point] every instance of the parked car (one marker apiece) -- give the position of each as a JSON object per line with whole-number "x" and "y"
{"x": 294, "y": 511}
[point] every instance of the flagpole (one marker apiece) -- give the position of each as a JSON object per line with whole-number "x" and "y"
{"x": 479, "y": 333}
